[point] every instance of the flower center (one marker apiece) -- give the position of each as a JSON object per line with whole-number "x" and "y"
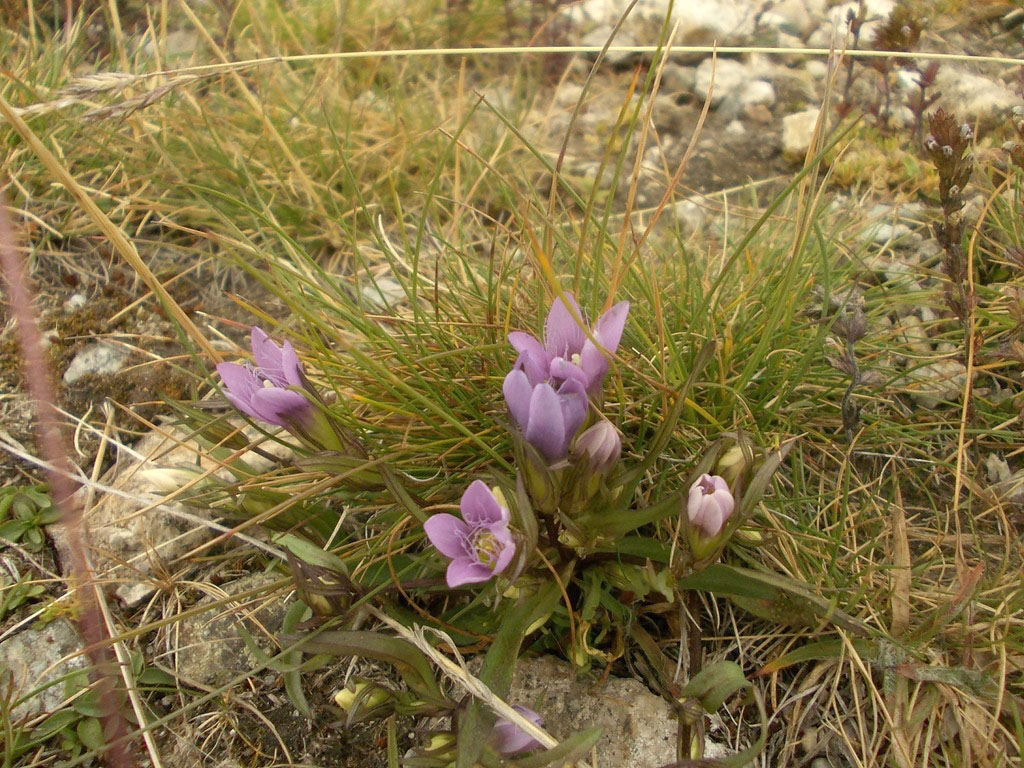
{"x": 487, "y": 548}
{"x": 575, "y": 359}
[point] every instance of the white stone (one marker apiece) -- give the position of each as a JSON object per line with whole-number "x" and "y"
{"x": 75, "y": 301}
{"x": 735, "y": 128}
{"x": 598, "y": 37}
{"x": 972, "y": 97}
{"x": 797, "y": 132}
{"x": 699, "y": 23}
{"x": 754, "y": 92}
{"x": 101, "y": 358}
{"x": 726, "y": 75}
{"x": 816, "y": 68}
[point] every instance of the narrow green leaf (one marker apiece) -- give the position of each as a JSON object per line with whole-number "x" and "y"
{"x": 297, "y": 611}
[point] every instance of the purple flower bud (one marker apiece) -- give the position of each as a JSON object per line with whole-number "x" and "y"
{"x": 263, "y": 391}
{"x": 549, "y": 419}
{"x": 480, "y": 545}
{"x": 567, "y": 352}
{"x": 600, "y": 445}
{"x": 509, "y": 739}
{"x": 709, "y": 504}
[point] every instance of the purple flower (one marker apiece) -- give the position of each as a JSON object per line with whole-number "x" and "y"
{"x": 509, "y": 739}
{"x": 265, "y": 390}
{"x": 549, "y": 419}
{"x": 480, "y": 545}
{"x": 709, "y": 504}
{"x": 567, "y": 352}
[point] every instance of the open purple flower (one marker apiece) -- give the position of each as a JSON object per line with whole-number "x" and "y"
{"x": 548, "y": 418}
{"x": 509, "y": 739}
{"x": 710, "y": 504}
{"x": 266, "y": 389}
{"x": 480, "y": 545}
{"x": 567, "y": 352}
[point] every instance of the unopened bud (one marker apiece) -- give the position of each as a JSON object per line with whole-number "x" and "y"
{"x": 732, "y": 464}
{"x": 600, "y": 445}
{"x": 709, "y": 504}
{"x": 366, "y": 695}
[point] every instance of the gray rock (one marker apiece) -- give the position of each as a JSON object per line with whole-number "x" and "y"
{"x": 37, "y": 656}
{"x": 639, "y": 729}
{"x": 128, "y": 540}
{"x": 797, "y": 132}
{"x": 210, "y": 649}
{"x": 675, "y": 78}
{"x": 799, "y": 17}
{"x": 100, "y": 358}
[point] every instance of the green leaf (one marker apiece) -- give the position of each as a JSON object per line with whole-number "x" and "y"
{"x": 156, "y": 678}
{"x": 771, "y": 597}
{"x": 310, "y": 553}
{"x": 714, "y": 684}
{"x": 58, "y": 721}
{"x": 820, "y": 651}
{"x": 90, "y": 731}
{"x": 567, "y": 752}
{"x": 407, "y": 659}
{"x": 88, "y": 705}
{"x": 497, "y": 670}
{"x": 12, "y": 530}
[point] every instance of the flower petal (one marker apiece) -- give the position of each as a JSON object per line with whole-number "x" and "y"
{"x": 291, "y": 366}
{"x": 280, "y": 406}
{"x": 467, "y": 571}
{"x": 546, "y": 428}
{"x": 533, "y": 358}
{"x": 510, "y": 739}
{"x": 572, "y": 398}
{"x": 240, "y": 384}
{"x": 608, "y": 333}
{"x": 563, "y": 334}
{"x": 267, "y": 356}
{"x": 507, "y": 551}
{"x": 518, "y": 391}
{"x": 562, "y": 369}
{"x": 448, "y": 534}
{"x": 479, "y": 507}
